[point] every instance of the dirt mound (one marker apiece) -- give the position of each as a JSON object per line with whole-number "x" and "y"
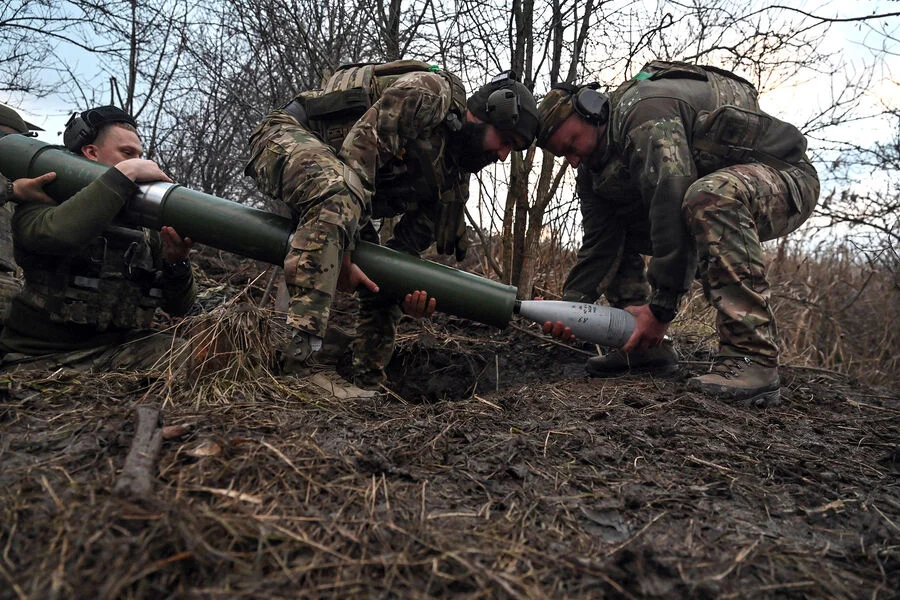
{"x": 555, "y": 485}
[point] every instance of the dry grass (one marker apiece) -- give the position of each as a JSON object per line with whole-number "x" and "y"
{"x": 228, "y": 351}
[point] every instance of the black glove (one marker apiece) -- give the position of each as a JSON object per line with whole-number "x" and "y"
{"x": 450, "y": 231}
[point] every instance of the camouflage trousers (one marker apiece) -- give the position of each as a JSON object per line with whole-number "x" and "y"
{"x": 376, "y": 332}
{"x": 139, "y": 351}
{"x": 325, "y": 196}
{"x": 377, "y": 316}
{"x": 729, "y": 213}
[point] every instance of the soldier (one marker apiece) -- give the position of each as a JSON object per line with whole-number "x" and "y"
{"x": 681, "y": 165}
{"x": 14, "y": 191}
{"x": 378, "y": 141}
{"x": 92, "y": 286}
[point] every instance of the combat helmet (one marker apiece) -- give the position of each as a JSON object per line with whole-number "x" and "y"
{"x": 508, "y": 105}
{"x": 565, "y": 99}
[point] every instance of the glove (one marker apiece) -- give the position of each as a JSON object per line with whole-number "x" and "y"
{"x": 450, "y": 231}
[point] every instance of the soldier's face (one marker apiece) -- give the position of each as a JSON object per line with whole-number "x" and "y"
{"x": 114, "y": 144}
{"x": 575, "y": 140}
{"x": 498, "y": 143}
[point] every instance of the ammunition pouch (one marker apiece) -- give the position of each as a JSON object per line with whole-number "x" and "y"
{"x": 733, "y": 135}
{"x": 106, "y": 287}
{"x": 340, "y": 104}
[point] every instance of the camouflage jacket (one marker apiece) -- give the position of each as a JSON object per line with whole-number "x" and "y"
{"x": 652, "y": 155}
{"x": 87, "y": 281}
{"x": 390, "y": 144}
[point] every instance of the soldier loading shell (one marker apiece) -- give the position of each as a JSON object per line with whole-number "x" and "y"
{"x": 378, "y": 141}
{"x": 681, "y": 165}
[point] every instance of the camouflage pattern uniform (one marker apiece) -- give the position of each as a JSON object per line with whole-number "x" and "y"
{"x": 10, "y": 285}
{"x": 336, "y": 175}
{"x": 89, "y": 287}
{"x": 671, "y": 185}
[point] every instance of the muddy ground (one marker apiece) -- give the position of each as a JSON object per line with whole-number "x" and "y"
{"x": 496, "y": 469}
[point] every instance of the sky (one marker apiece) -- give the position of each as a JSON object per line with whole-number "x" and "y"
{"x": 797, "y": 98}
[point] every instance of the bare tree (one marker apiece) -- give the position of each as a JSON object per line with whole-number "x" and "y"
{"x": 35, "y": 35}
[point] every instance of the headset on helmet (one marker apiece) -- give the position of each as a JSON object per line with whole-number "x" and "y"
{"x": 502, "y": 104}
{"x": 589, "y": 103}
{"x": 83, "y": 128}
{"x": 508, "y": 105}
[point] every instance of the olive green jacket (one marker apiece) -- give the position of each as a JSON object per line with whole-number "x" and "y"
{"x": 87, "y": 283}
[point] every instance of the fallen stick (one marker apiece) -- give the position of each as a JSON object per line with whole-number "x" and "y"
{"x": 136, "y": 478}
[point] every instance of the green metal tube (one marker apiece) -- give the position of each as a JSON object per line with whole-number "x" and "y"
{"x": 211, "y": 220}
{"x": 237, "y": 228}
{"x": 25, "y": 157}
{"x": 204, "y": 218}
{"x": 457, "y": 292}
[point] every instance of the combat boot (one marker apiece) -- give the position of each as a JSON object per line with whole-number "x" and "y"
{"x": 301, "y": 355}
{"x": 659, "y": 360}
{"x": 340, "y": 388}
{"x": 740, "y": 380}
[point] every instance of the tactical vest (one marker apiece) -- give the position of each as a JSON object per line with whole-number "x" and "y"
{"x": 737, "y": 130}
{"x": 423, "y": 174}
{"x": 112, "y": 284}
{"x": 729, "y": 89}
{"x": 352, "y": 89}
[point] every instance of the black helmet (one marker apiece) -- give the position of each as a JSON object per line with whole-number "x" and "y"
{"x": 507, "y": 105}
{"x": 83, "y": 128}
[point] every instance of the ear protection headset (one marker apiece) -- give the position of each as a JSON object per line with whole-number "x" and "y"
{"x": 502, "y": 104}
{"x": 589, "y": 103}
{"x": 83, "y": 128}
{"x": 508, "y": 105}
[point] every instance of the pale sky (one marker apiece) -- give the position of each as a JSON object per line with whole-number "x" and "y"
{"x": 799, "y": 99}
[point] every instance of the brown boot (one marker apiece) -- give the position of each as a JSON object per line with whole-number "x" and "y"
{"x": 338, "y": 387}
{"x": 741, "y": 380}
{"x": 661, "y": 360}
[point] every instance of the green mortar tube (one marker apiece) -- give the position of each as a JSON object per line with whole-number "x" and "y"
{"x": 251, "y": 232}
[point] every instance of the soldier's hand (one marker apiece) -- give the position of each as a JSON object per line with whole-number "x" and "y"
{"x": 174, "y": 247}
{"x": 140, "y": 170}
{"x": 418, "y": 305}
{"x": 559, "y": 331}
{"x": 351, "y": 277}
{"x": 32, "y": 190}
{"x": 648, "y": 332}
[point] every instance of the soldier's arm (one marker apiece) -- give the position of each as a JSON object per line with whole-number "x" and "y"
{"x": 657, "y": 152}
{"x": 59, "y": 230}
{"x": 177, "y": 279}
{"x": 410, "y": 108}
{"x": 179, "y": 291}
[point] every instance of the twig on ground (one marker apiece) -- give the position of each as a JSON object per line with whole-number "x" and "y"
{"x": 136, "y": 478}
